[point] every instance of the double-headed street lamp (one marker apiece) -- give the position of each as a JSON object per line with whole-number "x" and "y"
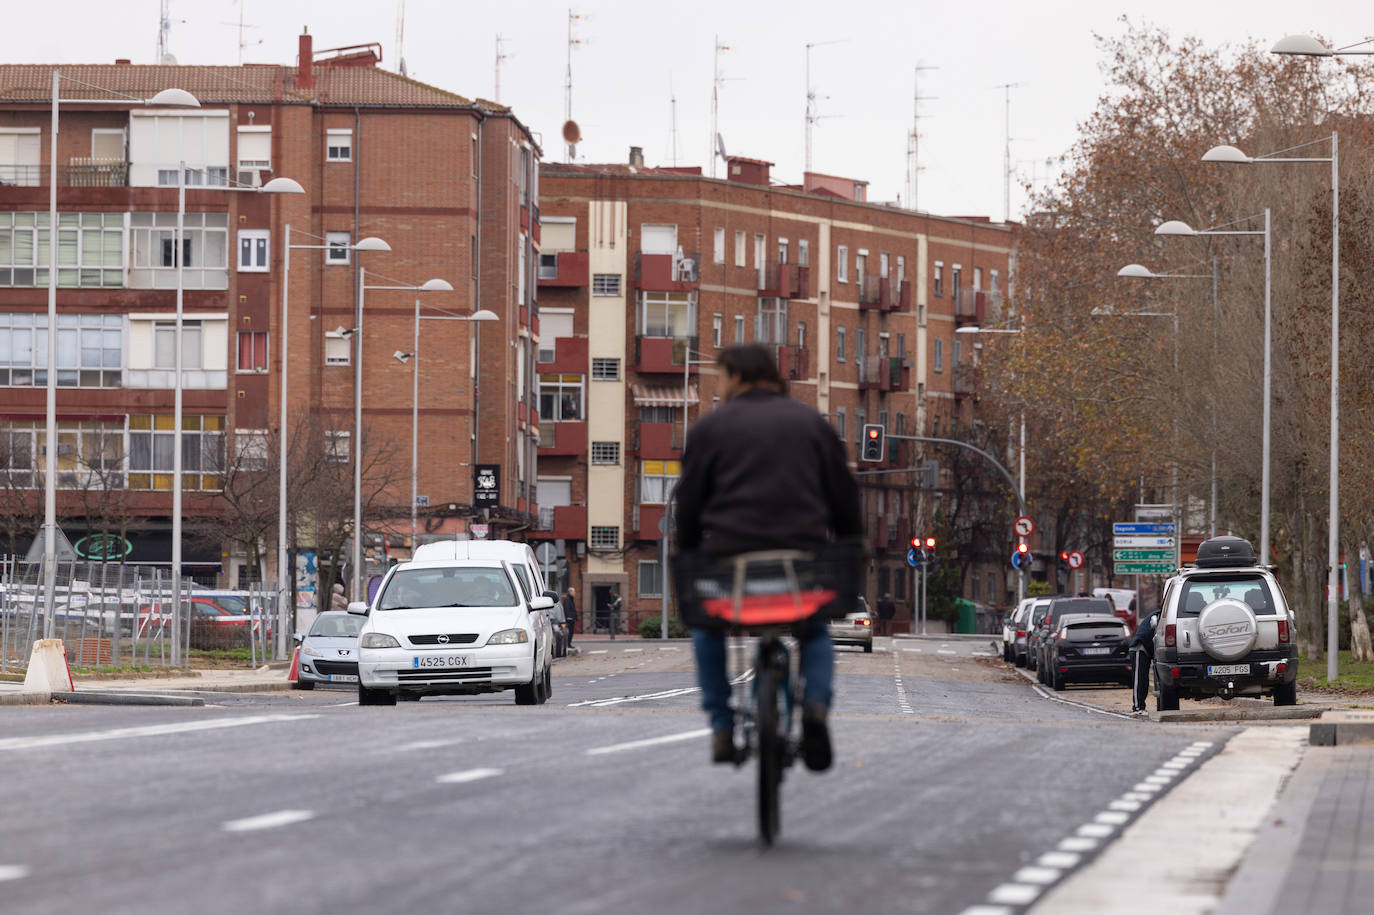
{"x": 431, "y": 285}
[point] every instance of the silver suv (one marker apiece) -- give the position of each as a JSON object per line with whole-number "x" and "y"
{"x": 1225, "y": 630}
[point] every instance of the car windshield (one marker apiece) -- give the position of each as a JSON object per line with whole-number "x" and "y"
{"x": 338, "y": 627}
{"x": 448, "y": 586}
{"x": 1248, "y": 588}
{"x": 1093, "y": 630}
{"x": 230, "y": 602}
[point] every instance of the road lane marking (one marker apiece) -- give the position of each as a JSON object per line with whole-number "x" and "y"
{"x": 269, "y": 820}
{"x": 1124, "y": 805}
{"x": 632, "y": 650}
{"x": 1014, "y": 894}
{"x": 598, "y": 651}
{"x": 669, "y": 648}
{"x": 13, "y": 872}
{"x": 643, "y": 697}
{"x": 943, "y": 651}
{"x": 1112, "y": 817}
{"x": 1096, "y": 830}
{"x": 987, "y": 910}
{"x": 649, "y": 742}
{"x": 1077, "y": 843}
{"x": 151, "y": 730}
{"x": 467, "y": 775}
{"x": 1060, "y": 859}
{"x": 342, "y": 704}
{"x": 427, "y": 744}
{"x": 1040, "y": 875}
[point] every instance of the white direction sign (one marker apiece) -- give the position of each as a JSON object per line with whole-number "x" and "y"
{"x": 1132, "y": 543}
{"x": 1023, "y": 526}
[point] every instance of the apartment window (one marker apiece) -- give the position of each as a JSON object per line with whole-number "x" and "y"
{"x": 554, "y": 324}
{"x": 604, "y": 538}
{"x": 993, "y": 280}
{"x": 938, "y": 361}
{"x": 107, "y": 151}
{"x": 955, "y": 272}
{"x": 901, "y": 423}
{"x": 801, "y": 335}
{"x": 658, "y": 239}
{"x": 165, "y": 349}
{"x": 901, "y": 346}
{"x": 158, "y": 139}
{"x": 716, "y": 321}
{"x": 901, "y": 269}
{"x": 252, "y": 350}
{"x": 860, "y": 268}
{"x": 884, "y": 341}
{"x": 204, "y": 250}
{"x": 90, "y": 453}
{"x": 658, "y": 414}
{"x": 977, "y": 277}
{"x": 251, "y": 449}
{"x": 667, "y": 314}
{"x": 782, "y": 250}
{"x": 650, "y": 578}
{"x": 839, "y": 344}
{"x": 90, "y": 248}
{"x": 803, "y": 252}
{"x": 656, "y": 481}
{"x": 338, "y": 348}
{"x": 337, "y": 247}
{"x": 548, "y": 266}
{"x": 739, "y": 328}
{"x": 336, "y": 445}
{"x": 89, "y": 350}
{"x": 605, "y": 370}
{"x": 606, "y": 284}
{"x": 882, "y": 264}
{"x": 560, "y": 398}
{"x": 16, "y": 455}
{"x": 860, "y": 343}
{"x": 939, "y": 278}
{"x": 739, "y": 248}
{"x": 842, "y": 264}
{"x": 605, "y": 452}
{"x": 253, "y": 250}
{"x": 152, "y": 452}
{"x": 20, "y": 156}
{"x": 255, "y": 147}
{"x": 839, "y": 422}
{"x": 718, "y": 246}
{"x": 338, "y": 146}
{"x": 956, "y": 351}
{"x": 760, "y": 246}
{"x": 921, "y": 315}
{"x": 771, "y": 325}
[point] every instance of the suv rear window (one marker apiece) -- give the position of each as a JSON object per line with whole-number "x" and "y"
{"x": 1249, "y": 588}
{"x": 1095, "y": 631}
{"x": 1094, "y": 605}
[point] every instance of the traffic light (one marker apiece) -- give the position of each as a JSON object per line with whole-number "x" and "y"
{"x": 1022, "y": 558}
{"x": 1064, "y": 561}
{"x": 874, "y": 439}
{"x": 932, "y": 557}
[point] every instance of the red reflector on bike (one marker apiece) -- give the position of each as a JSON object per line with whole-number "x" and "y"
{"x": 768, "y": 609}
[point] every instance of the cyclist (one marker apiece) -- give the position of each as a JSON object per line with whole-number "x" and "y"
{"x": 764, "y": 472}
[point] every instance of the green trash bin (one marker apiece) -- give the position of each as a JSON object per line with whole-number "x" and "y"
{"x": 968, "y": 615}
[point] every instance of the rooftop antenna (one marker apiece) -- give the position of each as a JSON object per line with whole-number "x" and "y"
{"x": 913, "y": 162}
{"x": 573, "y": 41}
{"x": 241, "y": 25}
{"x": 1006, "y": 152}
{"x": 716, "y": 80}
{"x": 164, "y": 27}
{"x": 811, "y": 116}
{"x": 672, "y": 100}
{"x": 500, "y": 56}
{"x": 401, "y": 36}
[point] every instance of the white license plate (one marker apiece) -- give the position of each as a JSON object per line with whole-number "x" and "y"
{"x": 1221, "y": 670}
{"x": 343, "y": 678}
{"x": 1097, "y": 651}
{"x": 441, "y": 660}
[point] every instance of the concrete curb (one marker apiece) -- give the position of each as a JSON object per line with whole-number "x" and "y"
{"x": 25, "y": 697}
{"x": 113, "y": 697}
{"x": 949, "y": 637}
{"x": 1282, "y": 713}
{"x": 1342, "y": 727}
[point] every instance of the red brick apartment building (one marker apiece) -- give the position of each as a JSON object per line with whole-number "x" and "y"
{"x": 449, "y": 183}
{"x": 645, "y": 272}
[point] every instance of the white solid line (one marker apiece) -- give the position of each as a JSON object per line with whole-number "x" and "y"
{"x": 1040, "y": 875}
{"x": 986, "y": 910}
{"x": 632, "y": 650}
{"x": 942, "y": 651}
{"x": 13, "y": 872}
{"x": 1060, "y": 859}
{"x": 1014, "y": 893}
{"x": 649, "y": 742}
{"x": 1096, "y": 830}
{"x": 269, "y": 820}
{"x": 342, "y": 704}
{"x": 598, "y": 651}
{"x": 151, "y": 730}
{"x": 1112, "y": 817}
{"x": 669, "y": 648}
{"x": 1077, "y": 843}
{"x": 467, "y": 775}
{"x": 427, "y": 744}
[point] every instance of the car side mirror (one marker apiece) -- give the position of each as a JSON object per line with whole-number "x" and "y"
{"x": 358, "y": 607}
{"x": 553, "y": 594}
{"x": 299, "y": 637}
{"x": 542, "y": 602}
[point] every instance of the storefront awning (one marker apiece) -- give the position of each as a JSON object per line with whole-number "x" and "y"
{"x": 652, "y": 395}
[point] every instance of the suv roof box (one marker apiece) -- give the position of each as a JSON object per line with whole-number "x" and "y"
{"x": 1225, "y": 553}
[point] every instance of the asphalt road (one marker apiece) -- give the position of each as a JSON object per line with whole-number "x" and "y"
{"x": 951, "y": 775}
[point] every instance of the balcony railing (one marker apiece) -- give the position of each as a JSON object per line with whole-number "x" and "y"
{"x": 794, "y": 362}
{"x": 569, "y": 271}
{"x": 79, "y": 172}
{"x": 663, "y": 354}
{"x": 565, "y": 522}
{"x": 978, "y": 306}
{"x": 882, "y": 373}
{"x": 656, "y": 441}
{"x": 875, "y": 292}
{"x": 667, "y": 272}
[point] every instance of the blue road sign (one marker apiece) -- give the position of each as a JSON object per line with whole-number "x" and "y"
{"x": 912, "y": 559}
{"x": 1016, "y": 560}
{"x": 1142, "y": 527}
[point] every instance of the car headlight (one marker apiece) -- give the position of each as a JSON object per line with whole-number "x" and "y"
{"x": 509, "y": 637}
{"x": 311, "y": 650}
{"x": 378, "y": 640}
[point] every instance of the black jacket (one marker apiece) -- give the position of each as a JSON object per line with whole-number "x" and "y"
{"x": 764, "y": 472}
{"x": 1145, "y": 634}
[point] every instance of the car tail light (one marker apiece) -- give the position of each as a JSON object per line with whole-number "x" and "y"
{"x": 1063, "y": 670}
{"x": 1283, "y": 630}
{"x": 1020, "y": 633}
{"x": 1170, "y": 635}
{"x": 865, "y": 622}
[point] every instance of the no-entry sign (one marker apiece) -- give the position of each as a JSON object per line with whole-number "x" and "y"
{"x": 1023, "y": 526}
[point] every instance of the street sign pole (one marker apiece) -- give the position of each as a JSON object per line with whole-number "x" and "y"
{"x": 925, "y": 610}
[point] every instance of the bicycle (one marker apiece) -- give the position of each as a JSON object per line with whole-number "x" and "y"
{"x": 766, "y": 727}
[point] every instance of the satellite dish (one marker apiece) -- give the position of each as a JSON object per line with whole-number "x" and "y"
{"x": 720, "y": 147}
{"x": 571, "y": 132}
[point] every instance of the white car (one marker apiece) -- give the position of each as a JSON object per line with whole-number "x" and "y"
{"x": 455, "y": 626}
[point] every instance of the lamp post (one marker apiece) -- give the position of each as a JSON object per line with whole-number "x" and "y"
{"x": 484, "y": 314}
{"x": 1231, "y": 154}
{"x": 283, "y": 554}
{"x": 167, "y": 98}
{"x": 431, "y": 285}
{"x": 1175, "y": 227}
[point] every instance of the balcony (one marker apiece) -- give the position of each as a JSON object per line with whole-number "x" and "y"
{"x": 562, "y": 439}
{"x": 883, "y": 373}
{"x": 794, "y": 362}
{"x": 663, "y": 354}
{"x": 81, "y": 171}
{"x": 977, "y": 306}
{"x": 569, "y": 356}
{"x": 785, "y": 281}
{"x": 904, "y": 298}
{"x": 965, "y": 381}
{"x": 644, "y": 521}
{"x": 569, "y": 272}
{"x": 875, "y": 294}
{"x": 666, "y": 272}
{"x": 657, "y": 441}
{"x": 560, "y": 522}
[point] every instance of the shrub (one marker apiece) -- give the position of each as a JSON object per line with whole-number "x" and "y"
{"x": 651, "y": 627}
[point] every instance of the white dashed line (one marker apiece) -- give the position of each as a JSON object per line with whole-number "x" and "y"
{"x": 467, "y": 775}
{"x": 598, "y": 651}
{"x": 632, "y": 650}
{"x": 916, "y": 650}
{"x": 1060, "y": 859}
{"x": 986, "y": 910}
{"x": 1077, "y": 843}
{"x": 943, "y": 651}
{"x": 1112, "y": 817}
{"x": 13, "y": 872}
{"x": 650, "y": 742}
{"x": 1096, "y": 830}
{"x": 269, "y": 820}
{"x": 1014, "y": 894}
{"x": 669, "y": 648}
{"x": 1040, "y": 875}
{"x": 342, "y": 704}
{"x": 427, "y": 744}
{"x": 903, "y": 702}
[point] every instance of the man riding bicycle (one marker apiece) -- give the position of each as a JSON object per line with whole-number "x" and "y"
{"x": 764, "y": 472}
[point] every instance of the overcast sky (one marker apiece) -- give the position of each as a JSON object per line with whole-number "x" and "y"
{"x": 636, "y": 55}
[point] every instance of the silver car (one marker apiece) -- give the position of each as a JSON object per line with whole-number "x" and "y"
{"x": 329, "y": 652}
{"x": 854, "y": 628}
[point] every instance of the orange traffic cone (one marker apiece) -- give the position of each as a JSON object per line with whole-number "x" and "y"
{"x": 294, "y": 673}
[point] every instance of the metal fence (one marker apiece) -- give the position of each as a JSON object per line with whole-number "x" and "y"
{"x": 118, "y": 615}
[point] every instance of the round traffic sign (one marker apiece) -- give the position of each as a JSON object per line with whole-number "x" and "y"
{"x": 1075, "y": 560}
{"x": 1023, "y": 526}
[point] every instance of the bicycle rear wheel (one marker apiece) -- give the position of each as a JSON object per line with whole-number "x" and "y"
{"x": 771, "y": 746}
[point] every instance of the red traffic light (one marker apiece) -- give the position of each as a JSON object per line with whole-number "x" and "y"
{"x": 930, "y": 543}
{"x": 915, "y": 543}
{"x": 1023, "y": 548}
{"x": 1064, "y": 555}
{"x": 873, "y": 433}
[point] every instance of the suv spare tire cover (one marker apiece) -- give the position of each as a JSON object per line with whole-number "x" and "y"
{"x": 1227, "y": 629}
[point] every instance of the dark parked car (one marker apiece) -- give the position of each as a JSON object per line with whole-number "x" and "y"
{"x": 1090, "y": 648}
{"x": 1059, "y": 608}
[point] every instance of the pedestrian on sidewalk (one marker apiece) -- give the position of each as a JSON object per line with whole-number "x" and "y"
{"x": 337, "y": 601}
{"x": 1142, "y": 658}
{"x": 570, "y": 611}
{"x": 886, "y": 611}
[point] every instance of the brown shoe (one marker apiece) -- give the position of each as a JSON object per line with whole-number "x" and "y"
{"x": 723, "y": 747}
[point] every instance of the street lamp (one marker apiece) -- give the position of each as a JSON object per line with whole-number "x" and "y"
{"x": 1177, "y": 228}
{"x": 1233, "y": 155}
{"x": 430, "y": 285}
{"x": 485, "y": 314}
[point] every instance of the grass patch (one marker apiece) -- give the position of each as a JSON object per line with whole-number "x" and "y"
{"x": 222, "y": 654}
{"x": 1352, "y": 677}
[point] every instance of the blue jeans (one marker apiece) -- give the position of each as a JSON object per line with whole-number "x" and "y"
{"x": 817, "y": 670}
